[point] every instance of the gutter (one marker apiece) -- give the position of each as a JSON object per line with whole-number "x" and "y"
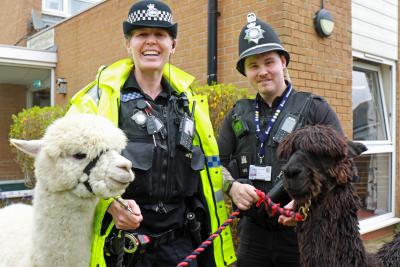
{"x": 212, "y": 42}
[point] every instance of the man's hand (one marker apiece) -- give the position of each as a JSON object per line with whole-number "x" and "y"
{"x": 243, "y": 195}
{"x": 123, "y": 218}
{"x": 287, "y": 221}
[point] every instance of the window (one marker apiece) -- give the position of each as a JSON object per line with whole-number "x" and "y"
{"x": 373, "y": 124}
{"x": 55, "y": 7}
{"x": 66, "y": 8}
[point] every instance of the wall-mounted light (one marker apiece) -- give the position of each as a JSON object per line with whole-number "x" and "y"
{"x": 323, "y": 22}
{"x": 61, "y": 86}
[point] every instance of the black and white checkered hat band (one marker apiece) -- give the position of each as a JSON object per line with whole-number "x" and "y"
{"x": 142, "y": 15}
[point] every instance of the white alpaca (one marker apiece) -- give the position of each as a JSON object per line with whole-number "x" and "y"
{"x": 57, "y": 230}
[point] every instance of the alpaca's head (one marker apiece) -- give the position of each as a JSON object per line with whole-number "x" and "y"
{"x": 80, "y": 153}
{"x": 318, "y": 159}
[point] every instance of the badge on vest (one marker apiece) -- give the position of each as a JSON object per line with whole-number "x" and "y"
{"x": 139, "y": 117}
{"x": 262, "y": 173}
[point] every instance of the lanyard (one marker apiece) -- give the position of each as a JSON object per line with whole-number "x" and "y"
{"x": 263, "y": 136}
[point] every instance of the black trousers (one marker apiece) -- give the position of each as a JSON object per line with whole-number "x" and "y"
{"x": 167, "y": 255}
{"x": 266, "y": 246}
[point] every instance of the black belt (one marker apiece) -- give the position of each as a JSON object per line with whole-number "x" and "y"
{"x": 157, "y": 240}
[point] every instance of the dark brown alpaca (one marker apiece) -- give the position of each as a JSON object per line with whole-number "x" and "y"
{"x": 319, "y": 170}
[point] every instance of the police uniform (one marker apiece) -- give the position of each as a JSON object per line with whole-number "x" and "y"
{"x": 165, "y": 174}
{"x": 175, "y": 173}
{"x": 264, "y": 242}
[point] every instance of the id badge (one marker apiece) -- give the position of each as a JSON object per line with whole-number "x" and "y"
{"x": 262, "y": 173}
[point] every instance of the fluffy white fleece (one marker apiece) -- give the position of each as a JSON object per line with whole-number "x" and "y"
{"x": 57, "y": 230}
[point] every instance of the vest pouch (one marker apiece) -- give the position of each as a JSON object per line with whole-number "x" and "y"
{"x": 198, "y": 160}
{"x": 186, "y": 168}
{"x": 141, "y": 156}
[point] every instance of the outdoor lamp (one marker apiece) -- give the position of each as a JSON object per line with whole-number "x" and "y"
{"x": 323, "y": 22}
{"x": 61, "y": 86}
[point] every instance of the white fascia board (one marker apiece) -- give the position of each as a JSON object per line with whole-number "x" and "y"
{"x": 25, "y": 56}
{"x": 371, "y": 227}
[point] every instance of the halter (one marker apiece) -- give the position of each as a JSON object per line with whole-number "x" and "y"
{"x": 88, "y": 170}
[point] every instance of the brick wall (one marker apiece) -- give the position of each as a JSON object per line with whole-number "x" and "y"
{"x": 319, "y": 65}
{"x": 13, "y": 100}
{"x": 97, "y": 39}
{"x": 15, "y": 18}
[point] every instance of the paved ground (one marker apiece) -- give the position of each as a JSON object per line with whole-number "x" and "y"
{"x": 374, "y": 245}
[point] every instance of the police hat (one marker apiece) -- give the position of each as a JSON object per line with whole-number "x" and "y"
{"x": 258, "y": 37}
{"x": 150, "y": 14}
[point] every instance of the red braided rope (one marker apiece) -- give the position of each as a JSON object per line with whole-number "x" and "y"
{"x": 262, "y": 198}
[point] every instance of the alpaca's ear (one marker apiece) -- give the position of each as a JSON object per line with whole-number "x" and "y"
{"x": 31, "y": 147}
{"x": 356, "y": 148}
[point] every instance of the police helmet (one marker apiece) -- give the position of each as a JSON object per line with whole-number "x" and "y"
{"x": 258, "y": 37}
{"x": 150, "y": 14}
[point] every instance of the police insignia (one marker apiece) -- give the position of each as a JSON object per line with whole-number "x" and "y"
{"x": 152, "y": 11}
{"x": 254, "y": 32}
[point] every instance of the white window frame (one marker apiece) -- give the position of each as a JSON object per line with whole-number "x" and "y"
{"x": 66, "y": 8}
{"x": 54, "y": 12}
{"x": 383, "y": 146}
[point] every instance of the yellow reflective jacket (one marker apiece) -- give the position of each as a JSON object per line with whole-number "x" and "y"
{"x": 102, "y": 97}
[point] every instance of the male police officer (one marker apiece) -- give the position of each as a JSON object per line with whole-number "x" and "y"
{"x": 168, "y": 132}
{"x": 248, "y": 139}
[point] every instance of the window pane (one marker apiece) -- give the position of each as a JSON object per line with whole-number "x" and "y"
{"x": 374, "y": 186}
{"x": 54, "y": 4}
{"x": 368, "y": 120}
{"x": 41, "y": 98}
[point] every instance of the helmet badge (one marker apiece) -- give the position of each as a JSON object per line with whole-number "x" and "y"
{"x": 253, "y": 32}
{"x": 152, "y": 11}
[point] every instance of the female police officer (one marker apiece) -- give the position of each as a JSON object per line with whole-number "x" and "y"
{"x": 248, "y": 139}
{"x": 168, "y": 132}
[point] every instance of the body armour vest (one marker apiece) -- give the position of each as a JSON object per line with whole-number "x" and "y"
{"x": 164, "y": 172}
{"x": 247, "y": 145}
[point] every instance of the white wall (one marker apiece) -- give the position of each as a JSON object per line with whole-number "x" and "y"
{"x": 374, "y": 27}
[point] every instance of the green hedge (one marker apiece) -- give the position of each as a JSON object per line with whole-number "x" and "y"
{"x": 30, "y": 124}
{"x": 221, "y": 98}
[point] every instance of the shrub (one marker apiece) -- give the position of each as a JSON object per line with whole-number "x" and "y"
{"x": 221, "y": 98}
{"x": 29, "y": 124}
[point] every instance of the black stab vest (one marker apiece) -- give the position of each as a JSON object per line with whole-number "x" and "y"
{"x": 247, "y": 146}
{"x": 165, "y": 174}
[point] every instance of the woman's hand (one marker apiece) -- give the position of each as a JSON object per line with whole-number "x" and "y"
{"x": 123, "y": 218}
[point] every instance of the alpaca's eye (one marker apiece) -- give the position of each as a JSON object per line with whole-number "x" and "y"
{"x": 79, "y": 156}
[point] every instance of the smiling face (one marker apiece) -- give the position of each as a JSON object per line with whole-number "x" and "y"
{"x": 150, "y": 49}
{"x": 265, "y": 74}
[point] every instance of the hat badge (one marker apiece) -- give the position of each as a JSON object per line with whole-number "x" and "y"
{"x": 152, "y": 11}
{"x": 254, "y": 32}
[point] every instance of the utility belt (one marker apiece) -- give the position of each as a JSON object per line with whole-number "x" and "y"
{"x": 139, "y": 243}
{"x": 129, "y": 245}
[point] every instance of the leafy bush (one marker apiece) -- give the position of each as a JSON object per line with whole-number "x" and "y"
{"x": 29, "y": 124}
{"x": 221, "y": 98}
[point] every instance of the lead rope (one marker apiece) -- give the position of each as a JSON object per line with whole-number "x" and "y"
{"x": 262, "y": 199}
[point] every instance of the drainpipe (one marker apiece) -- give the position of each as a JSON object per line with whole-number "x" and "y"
{"x": 212, "y": 42}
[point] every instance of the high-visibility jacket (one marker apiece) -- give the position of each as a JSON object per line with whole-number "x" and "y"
{"x": 102, "y": 97}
